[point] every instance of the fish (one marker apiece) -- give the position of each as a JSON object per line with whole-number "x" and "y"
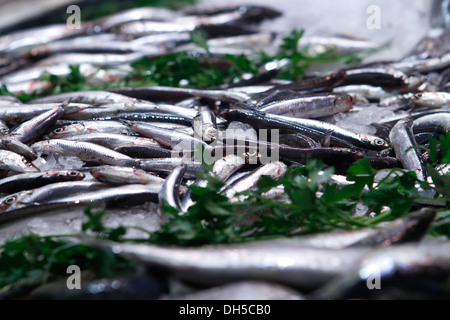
{"x": 299, "y": 267}
{"x": 205, "y": 126}
{"x": 31, "y": 130}
{"x": 113, "y": 141}
{"x": 309, "y": 106}
{"x": 313, "y": 128}
{"x": 88, "y": 127}
{"x": 14, "y": 162}
{"x": 170, "y": 192}
{"x": 122, "y": 175}
{"x": 86, "y": 151}
{"x": 403, "y": 141}
{"x": 431, "y": 99}
{"x": 27, "y": 181}
{"x": 438, "y": 122}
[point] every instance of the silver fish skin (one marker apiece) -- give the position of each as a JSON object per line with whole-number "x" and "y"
{"x": 113, "y": 141}
{"x": 310, "y": 107}
{"x": 84, "y": 150}
{"x": 144, "y": 193}
{"x": 302, "y": 267}
{"x": 14, "y": 162}
{"x": 245, "y": 290}
{"x": 167, "y": 137}
{"x": 32, "y": 129}
{"x": 402, "y": 139}
{"x": 130, "y": 108}
{"x": 274, "y": 170}
{"x": 167, "y": 165}
{"x": 15, "y": 145}
{"x": 86, "y": 97}
{"x": 406, "y": 262}
{"x": 99, "y": 60}
{"x": 35, "y": 36}
{"x": 170, "y": 191}
{"x": 431, "y": 99}
{"x": 122, "y": 175}
{"x": 369, "y": 92}
{"x": 15, "y": 115}
{"x": 439, "y": 122}
{"x": 29, "y": 87}
{"x": 205, "y": 126}
{"x": 313, "y": 128}
{"x": 46, "y": 194}
{"x": 222, "y": 169}
{"x": 26, "y": 181}
{"x": 88, "y": 127}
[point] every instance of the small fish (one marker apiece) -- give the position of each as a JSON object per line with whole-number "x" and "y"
{"x": 315, "y": 106}
{"x": 205, "y": 126}
{"x": 86, "y": 151}
{"x": 122, "y": 175}
{"x": 27, "y": 181}
{"x": 431, "y": 99}
{"x": 12, "y": 161}
{"x": 403, "y": 141}
{"x": 170, "y": 192}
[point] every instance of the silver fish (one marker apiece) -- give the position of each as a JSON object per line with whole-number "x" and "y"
{"x": 26, "y": 181}
{"x": 84, "y": 150}
{"x": 170, "y": 192}
{"x": 12, "y": 161}
{"x": 122, "y": 175}
{"x": 310, "y": 106}
{"x": 402, "y": 140}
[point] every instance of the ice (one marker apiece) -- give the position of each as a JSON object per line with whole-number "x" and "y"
{"x": 360, "y": 121}
{"x": 57, "y": 162}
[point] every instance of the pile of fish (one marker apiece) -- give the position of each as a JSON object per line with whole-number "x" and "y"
{"x": 131, "y": 146}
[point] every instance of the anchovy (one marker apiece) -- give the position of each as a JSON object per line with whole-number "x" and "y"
{"x": 205, "y": 126}
{"x": 404, "y": 144}
{"x": 15, "y": 115}
{"x": 86, "y": 97}
{"x": 438, "y": 122}
{"x": 432, "y": 99}
{"x": 301, "y": 267}
{"x": 309, "y": 106}
{"x": 88, "y": 127}
{"x": 15, "y": 162}
{"x": 86, "y": 151}
{"x": 46, "y": 194}
{"x": 170, "y": 193}
{"x": 122, "y": 175}
{"x": 383, "y": 77}
{"x": 113, "y": 141}
{"x": 313, "y": 128}
{"x": 167, "y": 137}
{"x": 32, "y": 129}
{"x": 167, "y": 165}
{"x": 13, "y": 144}
{"x": 27, "y": 181}
{"x": 274, "y": 170}
{"x": 120, "y": 109}
{"x": 130, "y": 194}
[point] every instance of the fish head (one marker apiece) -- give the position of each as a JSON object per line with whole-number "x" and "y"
{"x": 380, "y": 144}
{"x": 428, "y": 99}
{"x": 343, "y": 102}
{"x": 66, "y": 131}
{"x": 11, "y": 201}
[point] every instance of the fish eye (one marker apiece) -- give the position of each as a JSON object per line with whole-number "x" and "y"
{"x": 72, "y": 173}
{"x": 58, "y": 130}
{"x": 379, "y": 142}
{"x": 10, "y": 200}
{"x": 418, "y": 95}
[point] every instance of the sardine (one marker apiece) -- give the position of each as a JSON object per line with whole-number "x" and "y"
{"x": 12, "y": 161}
